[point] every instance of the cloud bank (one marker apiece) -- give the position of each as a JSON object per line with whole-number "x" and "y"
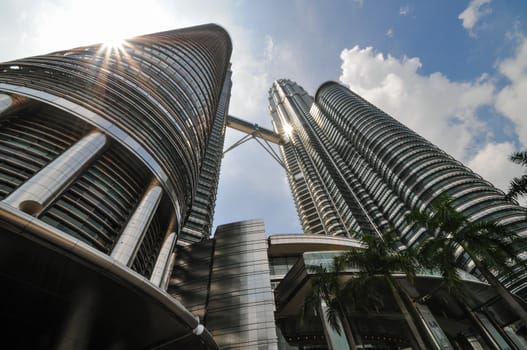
{"x": 446, "y": 111}
{"x": 511, "y": 101}
{"x": 441, "y": 110}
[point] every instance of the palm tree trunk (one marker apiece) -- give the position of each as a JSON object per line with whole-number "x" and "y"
{"x": 347, "y": 327}
{"x": 406, "y": 313}
{"x": 488, "y": 336}
{"x": 505, "y": 294}
{"x": 342, "y": 323}
{"x": 426, "y": 319}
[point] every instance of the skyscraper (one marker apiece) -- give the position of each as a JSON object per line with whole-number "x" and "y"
{"x": 198, "y": 224}
{"x": 352, "y": 167}
{"x": 106, "y": 153}
{"x": 109, "y": 155}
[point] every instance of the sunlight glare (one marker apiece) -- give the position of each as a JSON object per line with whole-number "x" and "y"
{"x": 114, "y": 42}
{"x": 49, "y": 34}
{"x": 288, "y": 129}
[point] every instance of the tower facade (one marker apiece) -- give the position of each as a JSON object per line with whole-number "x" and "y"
{"x": 353, "y": 168}
{"x": 198, "y": 224}
{"x": 107, "y": 156}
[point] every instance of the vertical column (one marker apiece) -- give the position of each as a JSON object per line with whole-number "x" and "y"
{"x": 40, "y": 190}
{"x": 241, "y": 302}
{"x": 168, "y": 272}
{"x": 436, "y": 335}
{"x": 130, "y": 240}
{"x": 163, "y": 260}
{"x": 334, "y": 340}
{"x": 489, "y": 331}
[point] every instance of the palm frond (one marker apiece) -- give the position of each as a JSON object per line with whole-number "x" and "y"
{"x": 491, "y": 243}
{"x": 488, "y": 244}
{"x": 310, "y": 303}
{"x": 519, "y": 158}
{"x": 517, "y": 187}
{"x": 362, "y": 292}
{"x": 325, "y": 289}
{"x": 423, "y": 218}
{"x": 332, "y": 316}
{"x": 440, "y": 217}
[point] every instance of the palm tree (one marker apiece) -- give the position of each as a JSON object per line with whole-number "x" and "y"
{"x": 518, "y": 186}
{"x": 326, "y": 289}
{"x": 380, "y": 259}
{"x": 488, "y": 244}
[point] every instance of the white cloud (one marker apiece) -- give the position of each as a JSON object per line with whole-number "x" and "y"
{"x": 493, "y": 163}
{"x": 404, "y": 10}
{"x": 389, "y": 33}
{"x": 473, "y": 13}
{"x": 250, "y": 79}
{"x": 511, "y": 101}
{"x": 441, "y": 110}
{"x": 444, "y": 111}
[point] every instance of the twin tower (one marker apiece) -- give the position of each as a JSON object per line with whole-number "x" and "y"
{"x": 110, "y": 158}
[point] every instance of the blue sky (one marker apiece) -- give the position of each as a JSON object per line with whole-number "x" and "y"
{"x": 454, "y": 71}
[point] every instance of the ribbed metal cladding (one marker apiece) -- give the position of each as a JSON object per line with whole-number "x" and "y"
{"x": 394, "y": 164}
{"x": 198, "y": 223}
{"x": 30, "y": 141}
{"x": 38, "y": 192}
{"x": 98, "y": 201}
{"x": 159, "y": 102}
{"x": 97, "y": 206}
{"x": 103, "y": 151}
{"x": 401, "y": 171}
{"x": 320, "y": 204}
{"x": 382, "y": 170}
{"x": 159, "y": 93}
{"x": 240, "y": 310}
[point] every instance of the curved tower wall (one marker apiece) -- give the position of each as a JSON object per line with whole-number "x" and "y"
{"x": 326, "y": 204}
{"x": 86, "y": 134}
{"x": 380, "y": 168}
{"x": 199, "y": 221}
{"x": 393, "y": 163}
{"x": 320, "y": 206}
{"x": 103, "y": 152}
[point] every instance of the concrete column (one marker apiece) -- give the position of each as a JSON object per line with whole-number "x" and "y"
{"x": 163, "y": 260}
{"x": 130, "y": 240}
{"x": 40, "y": 190}
{"x": 430, "y": 324}
{"x": 489, "y": 331}
{"x": 168, "y": 272}
{"x": 334, "y": 340}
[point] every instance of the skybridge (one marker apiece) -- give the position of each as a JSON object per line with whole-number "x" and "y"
{"x": 263, "y": 136}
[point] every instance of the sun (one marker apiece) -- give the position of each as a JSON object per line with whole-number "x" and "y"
{"x": 114, "y": 45}
{"x": 113, "y": 42}
{"x": 288, "y": 129}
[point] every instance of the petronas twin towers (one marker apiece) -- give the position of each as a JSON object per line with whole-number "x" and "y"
{"x": 109, "y": 163}
{"x": 353, "y": 168}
